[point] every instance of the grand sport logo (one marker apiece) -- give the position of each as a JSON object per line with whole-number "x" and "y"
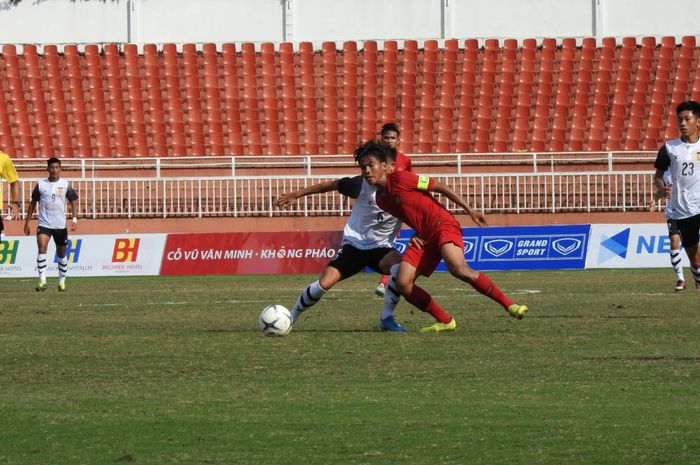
{"x": 567, "y": 245}
{"x": 522, "y": 247}
{"x": 498, "y": 247}
{"x": 534, "y": 247}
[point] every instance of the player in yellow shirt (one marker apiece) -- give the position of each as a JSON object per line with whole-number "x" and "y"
{"x": 9, "y": 174}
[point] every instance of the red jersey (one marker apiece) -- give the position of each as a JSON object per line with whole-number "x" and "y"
{"x": 407, "y": 199}
{"x": 403, "y": 163}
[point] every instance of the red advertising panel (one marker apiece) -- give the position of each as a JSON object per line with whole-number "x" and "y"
{"x": 249, "y": 253}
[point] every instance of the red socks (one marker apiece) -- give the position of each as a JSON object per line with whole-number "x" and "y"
{"x": 422, "y": 300}
{"x": 384, "y": 279}
{"x": 484, "y": 285}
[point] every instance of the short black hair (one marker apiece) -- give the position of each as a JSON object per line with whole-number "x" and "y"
{"x": 371, "y": 147}
{"x": 690, "y": 105}
{"x": 390, "y": 127}
{"x": 52, "y": 160}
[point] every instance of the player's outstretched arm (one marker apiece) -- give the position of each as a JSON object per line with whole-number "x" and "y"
{"x": 443, "y": 189}
{"x": 291, "y": 197}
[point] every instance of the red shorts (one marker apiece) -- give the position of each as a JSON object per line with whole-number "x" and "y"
{"x": 428, "y": 258}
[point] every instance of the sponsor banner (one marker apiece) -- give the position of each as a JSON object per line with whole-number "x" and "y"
{"x": 94, "y": 255}
{"x": 521, "y": 247}
{"x": 630, "y": 246}
{"x": 249, "y": 253}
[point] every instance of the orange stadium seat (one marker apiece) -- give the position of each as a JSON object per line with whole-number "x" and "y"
{"x": 455, "y": 96}
{"x": 350, "y": 116}
{"x": 614, "y": 139}
{"x": 308, "y": 89}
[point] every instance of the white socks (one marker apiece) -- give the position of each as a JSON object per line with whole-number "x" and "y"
{"x": 62, "y": 270}
{"x": 308, "y": 298}
{"x": 676, "y": 263}
{"x": 391, "y": 295}
{"x": 41, "y": 266}
{"x": 696, "y": 274}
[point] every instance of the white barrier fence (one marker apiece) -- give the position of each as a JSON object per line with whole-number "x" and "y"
{"x": 457, "y": 163}
{"x": 244, "y": 196}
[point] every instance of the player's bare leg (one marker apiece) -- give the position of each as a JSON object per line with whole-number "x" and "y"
{"x": 419, "y": 298}
{"x": 458, "y": 267}
{"x": 314, "y": 291}
{"x": 385, "y": 264}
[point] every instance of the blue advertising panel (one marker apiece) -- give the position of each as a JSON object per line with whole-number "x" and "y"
{"x": 521, "y": 247}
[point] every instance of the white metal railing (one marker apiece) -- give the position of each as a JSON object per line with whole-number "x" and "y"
{"x": 244, "y": 196}
{"x": 319, "y": 164}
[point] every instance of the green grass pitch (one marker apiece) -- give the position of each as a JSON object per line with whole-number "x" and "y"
{"x": 604, "y": 369}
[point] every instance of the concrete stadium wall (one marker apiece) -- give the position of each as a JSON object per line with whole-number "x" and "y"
{"x": 180, "y": 21}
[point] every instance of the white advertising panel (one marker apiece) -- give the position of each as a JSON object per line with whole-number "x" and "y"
{"x": 94, "y": 255}
{"x": 630, "y": 246}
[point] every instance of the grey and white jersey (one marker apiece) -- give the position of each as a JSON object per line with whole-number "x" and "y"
{"x": 369, "y": 227}
{"x": 52, "y": 198}
{"x": 683, "y": 160}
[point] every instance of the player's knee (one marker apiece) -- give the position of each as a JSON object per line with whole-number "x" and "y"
{"x": 327, "y": 284}
{"x": 404, "y": 286}
{"x": 695, "y": 261}
{"x": 464, "y": 273}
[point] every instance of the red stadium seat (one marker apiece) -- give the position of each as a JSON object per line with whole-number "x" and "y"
{"x": 614, "y": 140}
{"x": 222, "y": 102}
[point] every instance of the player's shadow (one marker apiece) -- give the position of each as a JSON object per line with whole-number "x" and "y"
{"x": 248, "y": 330}
{"x": 593, "y": 317}
{"x": 645, "y": 358}
{"x": 356, "y": 330}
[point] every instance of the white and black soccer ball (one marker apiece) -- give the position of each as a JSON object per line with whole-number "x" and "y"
{"x": 275, "y": 320}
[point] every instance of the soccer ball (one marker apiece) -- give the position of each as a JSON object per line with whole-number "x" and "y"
{"x": 275, "y": 320}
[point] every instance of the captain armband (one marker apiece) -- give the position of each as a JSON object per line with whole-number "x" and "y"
{"x": 423, "y": 182}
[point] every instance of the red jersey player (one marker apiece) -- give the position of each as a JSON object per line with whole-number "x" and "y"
{"x": 390, "y": 137}
{"x": 406, "y": 196}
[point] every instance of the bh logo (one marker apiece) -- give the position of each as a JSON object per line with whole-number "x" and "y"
{"x": 72, "y": 251}
{"x": 8, "y": 252}
{"x": 125, "y": 250}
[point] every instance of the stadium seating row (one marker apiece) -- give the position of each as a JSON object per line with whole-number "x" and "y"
{"x": 456, "y": 97}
